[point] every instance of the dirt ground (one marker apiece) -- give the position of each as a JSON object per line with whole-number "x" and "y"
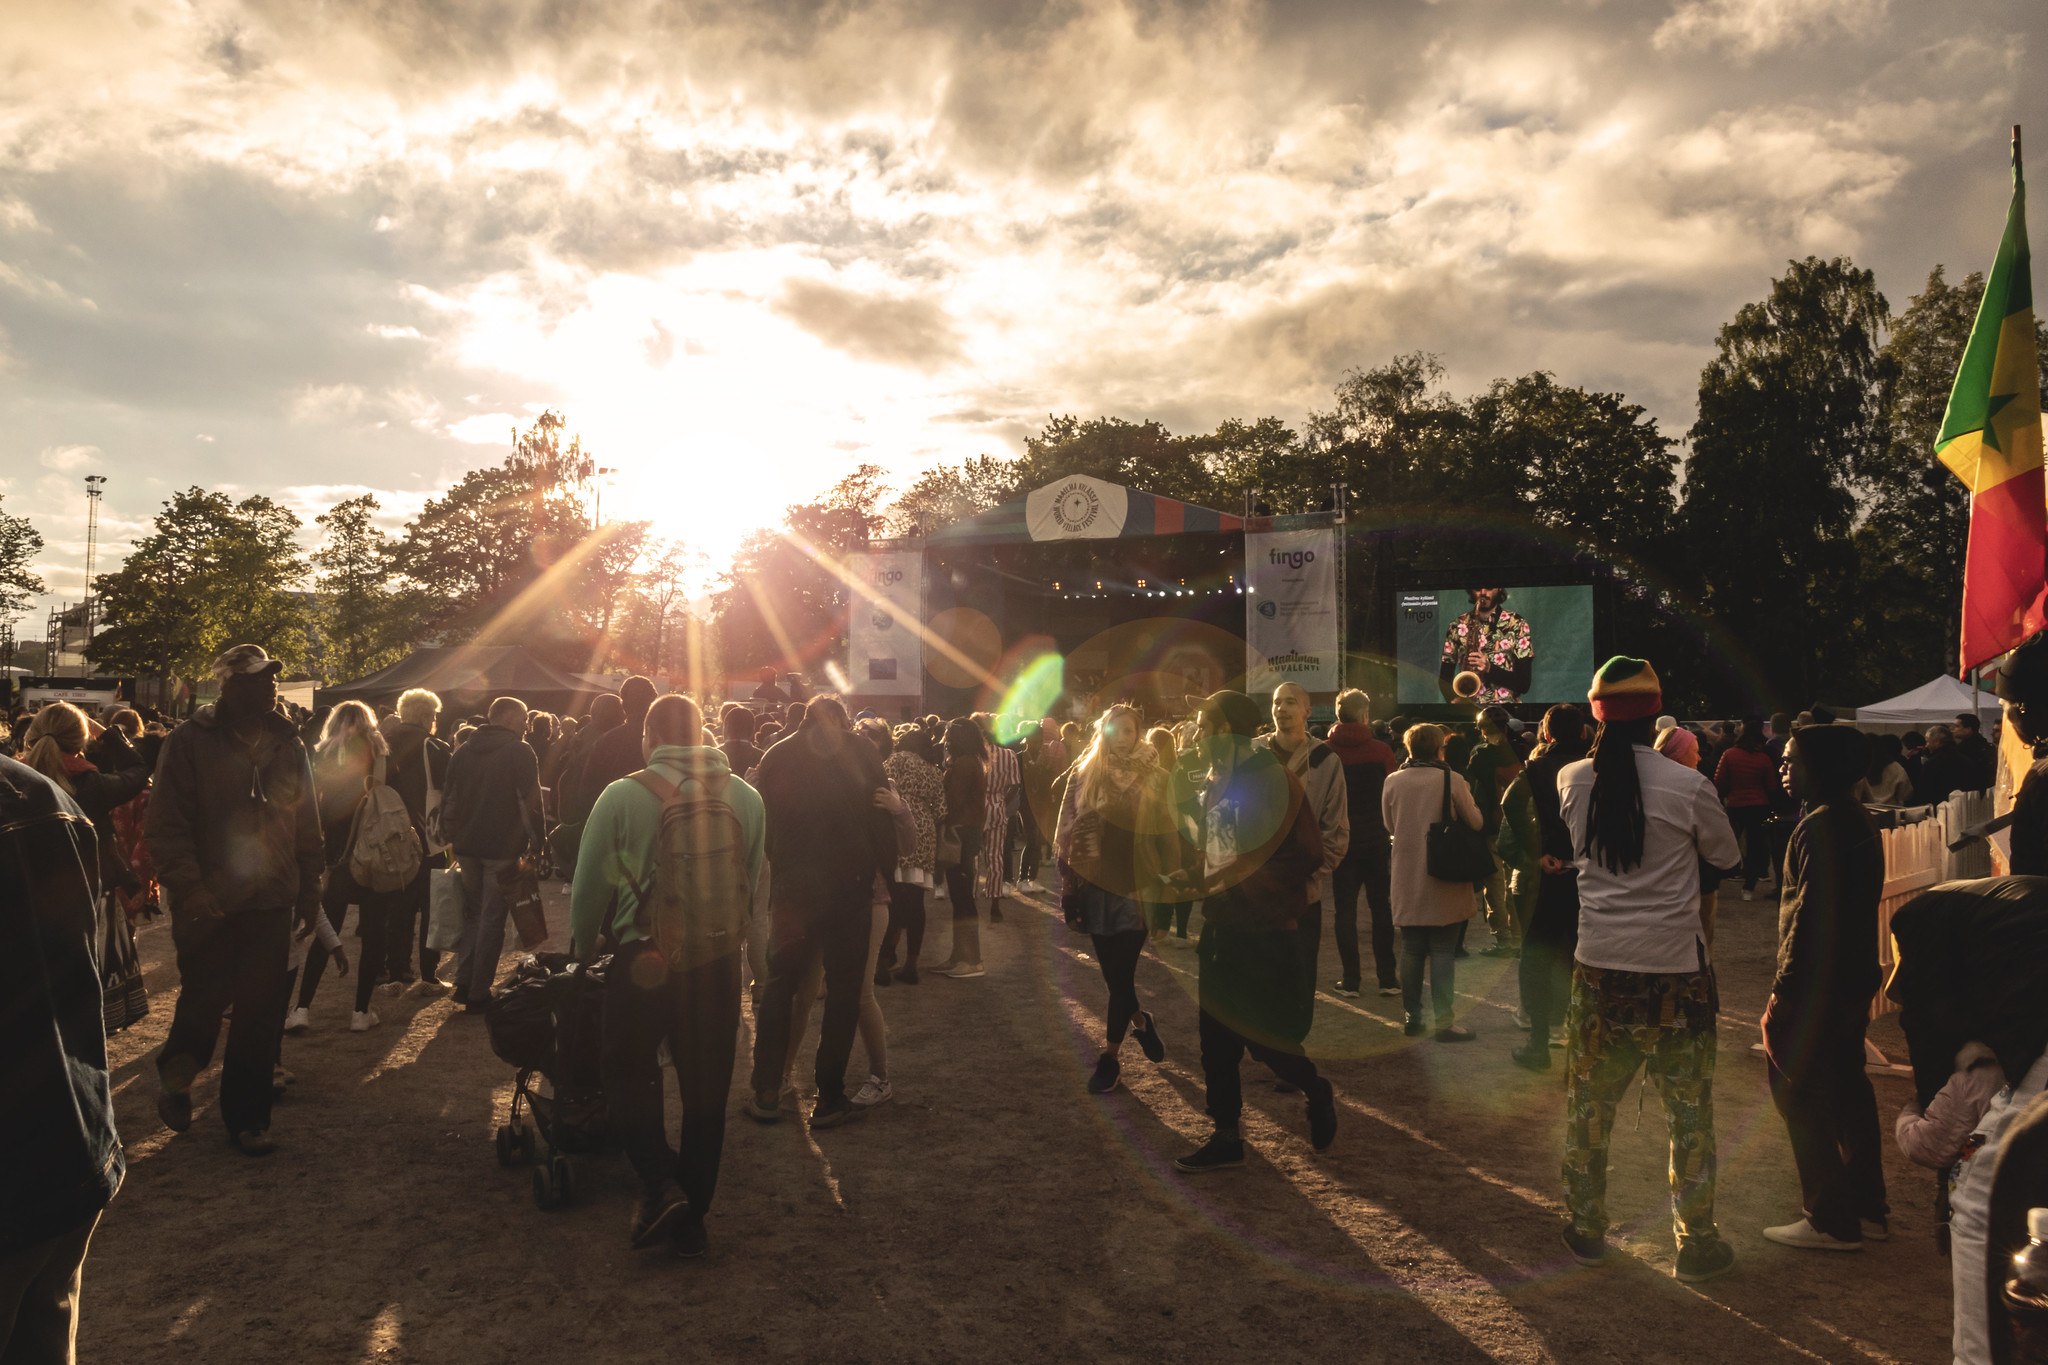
{"x": 994, "y": 1208}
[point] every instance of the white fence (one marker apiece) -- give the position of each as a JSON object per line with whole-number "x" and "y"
{"x": 1917, "y": 856}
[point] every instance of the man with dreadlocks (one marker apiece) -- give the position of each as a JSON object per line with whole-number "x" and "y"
{"x": 1643, "y": 994}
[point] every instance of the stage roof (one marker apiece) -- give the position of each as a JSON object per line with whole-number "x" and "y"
{"x": 1084, "y": 508}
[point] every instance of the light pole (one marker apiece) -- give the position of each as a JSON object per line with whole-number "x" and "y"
{"x": 597, "y": 515}
{"x": 94, "y": 485}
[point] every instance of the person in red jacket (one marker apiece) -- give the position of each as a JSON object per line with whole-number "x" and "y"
{"x": 1261, "y": 848}
{"x": 1747, "y": 778}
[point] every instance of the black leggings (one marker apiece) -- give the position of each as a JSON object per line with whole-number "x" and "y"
{"x": 1751, "y": 827}
{"x": 906, "y": 921}
{"x": 1118, "y": 956}
{"x": 373, "y": 913}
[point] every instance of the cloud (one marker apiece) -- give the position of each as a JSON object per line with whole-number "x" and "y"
{"x": 912, "y": 332}
{"x": 69, "y": 459}
{"x": 1753, "y": 26}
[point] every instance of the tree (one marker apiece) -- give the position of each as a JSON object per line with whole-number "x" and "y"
{"x": 784, "y": 601}
{"x": 1789, "y": 412}
{"x": 945, "y": 494}
{"x": 20, "y": 543}
{"x": 213, "y": 572}
{"x": 359, "y": 623}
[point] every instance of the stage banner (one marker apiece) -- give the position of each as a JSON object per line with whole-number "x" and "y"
{"x": 884, "y": 652}
{"x": 1077, "y": 508}
{"x": 1291, "y": 631}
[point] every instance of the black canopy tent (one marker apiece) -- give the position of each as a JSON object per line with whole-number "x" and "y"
{"x": 466, "y": 678}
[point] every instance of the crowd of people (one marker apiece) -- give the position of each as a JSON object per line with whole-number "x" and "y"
{"x": 786, "y": 855}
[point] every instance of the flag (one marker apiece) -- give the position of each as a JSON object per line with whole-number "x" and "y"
{"x": 1991, "y": 440}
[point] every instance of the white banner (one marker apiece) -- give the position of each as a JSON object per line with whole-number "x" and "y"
{"x": 1076, "y": 508}
{"x": 884, "y": 652}
{"x": 1291, "y": 631}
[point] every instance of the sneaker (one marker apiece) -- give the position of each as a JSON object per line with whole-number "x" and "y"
{"x": 690, "y": 1241}
{"x": 252, "y": 1142}
{"x": 1108, "y": 1074}
{"x": 1455, "y": 1035}
{"x": 883, "y": 976}
{"x": 298, "y": 1021}
{"x": 280, "y": 1082}
{"x": 1585, "y": 1248}
{"x": 1219, "y": 1153}
{"x": 1704, "y": 1261}
{"x": 1149, "y": 1041}
{"x": 1531, "y": 1058}
{"x": 362, "y": 1021}
{"x": 967, "y": 971}
{"x": 175, "y": 1110}
{"x": 872, "y": 1092}
{"x": 1389, "y": 991}
{"x": 1030, "y": 886}
{"x": 395, "y": 986}
{"x": 939, "y": 894}
{"x": 830, "y": 1114}
{"x": 1748, "y": 894}
{"x": 1876, "y": 1230}
{"x": 1011, "y": 890}
{"x": 1414, "y": 1028}
{"x": 1557, "y": 1038}
{"x": 1804, "y": 1235}
{"x": 764, "y": 1111}
{"x": 1521, "y": 1018}
{"x": 656, "y": 1216}
{"x": 1322, "y": 1119}
{"x": 432, "y": 984}
{"x": 907, "y": 974}
{"x": 1347, "y": 989}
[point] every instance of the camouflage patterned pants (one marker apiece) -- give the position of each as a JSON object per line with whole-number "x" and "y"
{"x": 1662, "y": 1024}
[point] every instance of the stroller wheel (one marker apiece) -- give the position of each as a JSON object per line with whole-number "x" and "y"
{"x": 545, "y": 1195}
{"x": 565, "y": 1181}
{"x": 507, "y": 1154}
{"x": 522, "y": 1141}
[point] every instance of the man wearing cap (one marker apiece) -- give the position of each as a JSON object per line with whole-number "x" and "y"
{"x": 1643, "y": 994}
{"x": 235, "y": 833}
{"x": 1261, "y": 851}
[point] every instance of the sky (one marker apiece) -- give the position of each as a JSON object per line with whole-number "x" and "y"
{"x": 315, "y": 250}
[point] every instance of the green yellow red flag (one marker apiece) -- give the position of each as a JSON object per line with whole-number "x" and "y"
{"x": 1991, "y": 440}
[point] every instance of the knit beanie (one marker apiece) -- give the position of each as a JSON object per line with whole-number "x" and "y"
{"x": 1625, "y": 689}
{"x": 1679, "y": 745}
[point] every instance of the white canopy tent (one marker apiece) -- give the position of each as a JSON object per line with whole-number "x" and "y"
{"x": 1932, "y": 703}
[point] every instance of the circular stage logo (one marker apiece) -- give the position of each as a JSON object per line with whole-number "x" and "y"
{"x": 1076, "y": 508}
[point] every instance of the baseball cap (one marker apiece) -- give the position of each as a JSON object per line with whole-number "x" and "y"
{"x": 244, "y": 659}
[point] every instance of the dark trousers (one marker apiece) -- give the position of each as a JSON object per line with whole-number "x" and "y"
{"x": 1433, "y": 946}
{"x": 1223, "y": 1050}
{"x": 832, "y": 928}
{"x": 240, "y": 964}
{"x": 906, "y": 921}
{"x": 1118, "y": 954}
{"x": 1366, "y": 869}
{"x": 1751, "y": 830}
{"x": 373, "y": 917}
{"x": 1310, "y": 927}
{"x": 1251, "y": 995}
{"x": 406, "y": 924}
{"x": 1033, "y": 842}
{"x": 1546, "y": 987}
{"x": 39, "y": 1288}
{"x": 1823, "y": 1093}
{"x": 697, "y": 1013}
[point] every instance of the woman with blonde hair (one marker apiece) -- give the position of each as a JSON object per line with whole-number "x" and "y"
{"x": 1117, "y": 850}
{"x": 349, "y": 759}
{"x": 55, "y": 744}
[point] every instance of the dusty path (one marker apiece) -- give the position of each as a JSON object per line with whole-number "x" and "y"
{"x": 994, "y": 1209}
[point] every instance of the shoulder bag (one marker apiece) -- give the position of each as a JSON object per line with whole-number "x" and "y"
{"x": 1456, "y": 851}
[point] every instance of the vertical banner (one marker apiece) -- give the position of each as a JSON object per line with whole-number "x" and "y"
{"x": 1291, "y": 631}
{"x": 884, "y": 652}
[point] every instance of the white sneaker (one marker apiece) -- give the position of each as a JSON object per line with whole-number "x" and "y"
{"x": 297, "y": 1021}
{"x": 875, "y": 1091}
{"x": 1031, "y": 887}
{"x": 1521, "y": 1017}
{"x": 966, "y": 971}
{"x": 362, "y": 1021}
{"x": 938, "y": 893}
{"x": 1804, "y": 1235}
{"x": 1010, "y": 890}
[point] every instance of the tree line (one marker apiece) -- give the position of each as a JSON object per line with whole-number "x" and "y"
{"x": 1799, "y": 543}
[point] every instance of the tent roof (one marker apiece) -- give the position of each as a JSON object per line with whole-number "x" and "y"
{"x": 465, "y": 670}
{"x": 1939, "y": 699}
{"x": 1144, "y": 514}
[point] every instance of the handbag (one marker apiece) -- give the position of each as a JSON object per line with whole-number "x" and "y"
{"x": 123, "y": 1001}
{"x": 444, "y": 909}
{"x": 949, "y": 846}
{"x": 1456, "y": 851}
{"x": 529, "y": 917}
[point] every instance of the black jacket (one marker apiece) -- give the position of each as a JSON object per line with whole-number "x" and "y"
{"x": 491, "y": 805}
{"x": 819, "y": 789}
{"x": 233, "y": 819}
{"x": 1827, "y": 922}
{"x": 58, "y": 1147}
{"x": 407, "y": 774}
{"x": 615, "y": 754}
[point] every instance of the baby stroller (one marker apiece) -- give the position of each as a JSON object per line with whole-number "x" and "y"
{"x": 548, "y": 1018}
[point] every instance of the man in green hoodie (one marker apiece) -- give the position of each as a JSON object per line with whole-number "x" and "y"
{"x": 695, "y": 1008}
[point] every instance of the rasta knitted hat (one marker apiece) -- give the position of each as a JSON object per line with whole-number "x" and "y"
{"x": 1625, "y": 689}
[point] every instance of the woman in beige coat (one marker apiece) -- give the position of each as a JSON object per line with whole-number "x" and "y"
{"x": 1428, "y": 912}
